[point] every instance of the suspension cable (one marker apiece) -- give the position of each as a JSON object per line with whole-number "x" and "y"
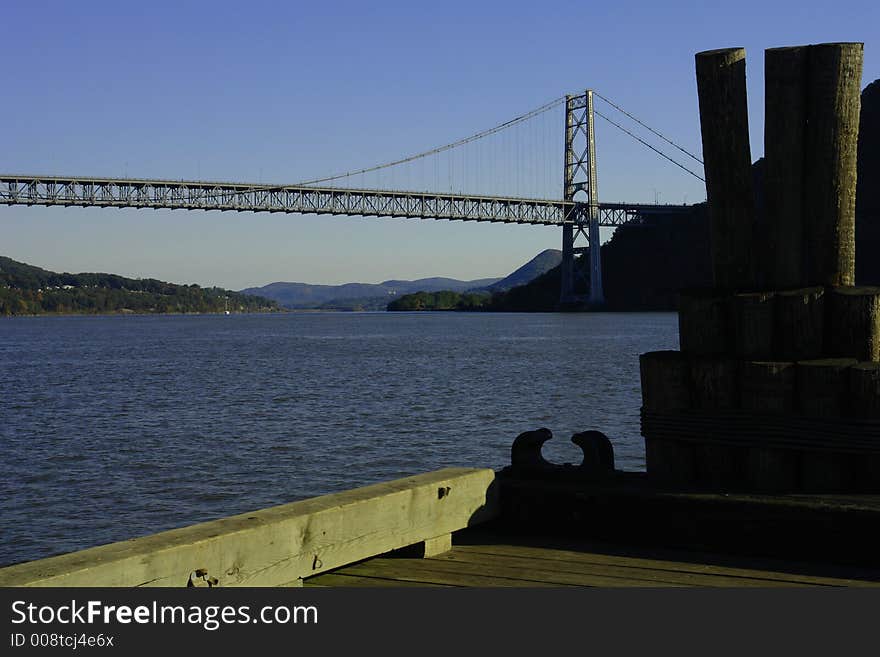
{"x": 647, "y": 127}
{"x": 644, "y": 143}
{"x": 484, "y": 133}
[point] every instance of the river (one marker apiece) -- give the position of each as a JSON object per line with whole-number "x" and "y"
{"x": 120, "y": 426}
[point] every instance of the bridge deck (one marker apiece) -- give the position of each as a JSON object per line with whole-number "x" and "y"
{"x": 300, "y": 199}
{"x": 482, "y": 557}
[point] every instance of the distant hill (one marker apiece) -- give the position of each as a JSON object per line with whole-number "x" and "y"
{"x": 29, "y": 290}
{"x": 357, "y": 296}
{"x": 540, "y": 264}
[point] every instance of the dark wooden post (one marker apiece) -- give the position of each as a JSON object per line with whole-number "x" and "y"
{"x": 800, "y": 324}
{"x": 716, "y": 387}
{"x": 822, "y": 392}
{"x": 753, "y": 325}
{"x": 822, "y": 386}
{"x": 833, "y": 106}
{"x": 704, "y": 326}
{"x": 785, "y": 82}
{"x": 769, "y": 387}
{"x": 864, "y": 391}
{"x": 854, "y": 320}
{"x": 724, "y": 123}
{"x": 864, "y": 403}
{"x": 666, "y": 388}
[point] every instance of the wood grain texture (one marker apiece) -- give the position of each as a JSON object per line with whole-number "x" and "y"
{"x": 833, "y": 109}
{"x": 785, "y": 126}
{"x": 854, "y": 323}
{"x": 753, "y": 322}
{"x": 724, "y": 124}
{"x": 767, "y": 386}
{"x": 665, "y": 379}
{"x": 486, "y": 559}
{"x": 704, "y": 323}
{"x": 281, "y": 544}
{"x": 799, "y": 331}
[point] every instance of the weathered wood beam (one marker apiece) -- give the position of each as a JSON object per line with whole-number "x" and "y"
{"x": 282, "y": 544}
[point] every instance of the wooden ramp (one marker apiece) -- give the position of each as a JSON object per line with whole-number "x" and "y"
{"x": 484, "y": 558}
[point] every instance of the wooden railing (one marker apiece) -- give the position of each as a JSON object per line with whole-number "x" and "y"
{"x": 282, "y": 545}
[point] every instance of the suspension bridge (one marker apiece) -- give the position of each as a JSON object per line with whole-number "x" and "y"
{"x": 579, "y": 212}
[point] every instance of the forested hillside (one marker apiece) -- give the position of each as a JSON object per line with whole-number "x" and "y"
{"x": 29, "y": 290}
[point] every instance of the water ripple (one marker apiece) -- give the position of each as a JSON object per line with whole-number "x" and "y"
{"x": 116, "y": 427}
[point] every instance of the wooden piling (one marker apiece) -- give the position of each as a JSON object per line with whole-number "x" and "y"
{"x": 864, "y": 403}
{"x": 721, "y": 87}
{"x": 864, "y": 391}
{"x": 822, "y": 386}
{"x": 753, "y": 318}
{"x": 715, "y": 383}
{"x": 833, "y": 107}
{"x": 785, "y": 97}
{"x": 704, "y": 327}
{"x": 715, "y": 386}
{"x": 769, "y": 387}
{"x": 665, "y": 377}
{"x": 854, "y": 319}
{"x": 666, "y": 387}
{"x": 799, "y": 330}
{"x": 822, "y": 390}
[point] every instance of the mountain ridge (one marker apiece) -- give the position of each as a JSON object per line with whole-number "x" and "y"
{"x": 375, "y": 296}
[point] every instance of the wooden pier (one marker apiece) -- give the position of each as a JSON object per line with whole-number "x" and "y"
{"x": 476, "y": 527}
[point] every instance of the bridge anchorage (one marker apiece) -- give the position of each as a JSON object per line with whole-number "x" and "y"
{"x": 579, "y": 213}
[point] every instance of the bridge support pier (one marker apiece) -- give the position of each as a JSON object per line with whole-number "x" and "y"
{"x": 583, "y": 218}
{"x": 597, "y": 294}
{"x": 566, "y": 292}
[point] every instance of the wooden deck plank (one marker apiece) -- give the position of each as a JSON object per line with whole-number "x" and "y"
{"x": 496, "y": 572}
{"x": 683, "y": 568}
{"x": 670, "y": 559}
{"x": 639, "y": 573}
{"x": 427, "y": 573}
{"x": 337, "y": 579}
{"x": 484, "y": 558}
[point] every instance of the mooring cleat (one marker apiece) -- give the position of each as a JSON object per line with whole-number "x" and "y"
{"x": 598, "y": 453}
{"x": 525, "y": 454}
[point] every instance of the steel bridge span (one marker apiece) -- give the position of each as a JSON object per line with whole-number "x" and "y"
{"x": 579, "y": 213}
{"x": 243, "y": 197}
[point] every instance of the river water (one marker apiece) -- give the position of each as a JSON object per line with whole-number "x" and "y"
{"x": 115, "y": 427}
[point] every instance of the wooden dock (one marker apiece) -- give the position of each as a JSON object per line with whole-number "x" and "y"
{"x": 478, "y": 528}
{"x": 490, "y": 558}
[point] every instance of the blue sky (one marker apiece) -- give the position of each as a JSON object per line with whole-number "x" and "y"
{"x": 281, "y": 92}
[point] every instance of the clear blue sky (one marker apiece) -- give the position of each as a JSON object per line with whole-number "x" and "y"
{"x": 285, "y": 91}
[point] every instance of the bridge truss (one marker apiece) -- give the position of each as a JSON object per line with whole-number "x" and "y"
{"x": 241, "y": 197}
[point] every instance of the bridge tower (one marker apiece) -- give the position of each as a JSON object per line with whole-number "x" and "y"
{"x": 580, "y": 187}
